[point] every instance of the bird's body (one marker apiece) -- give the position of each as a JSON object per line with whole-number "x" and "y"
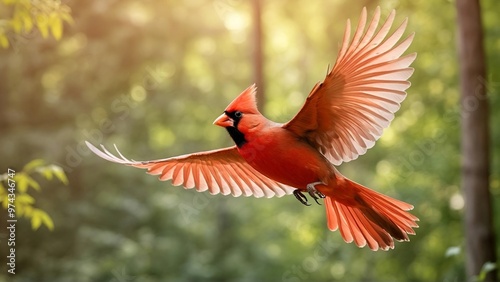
{"x": 265, "y": 152}
{"x": 342, "y": 117}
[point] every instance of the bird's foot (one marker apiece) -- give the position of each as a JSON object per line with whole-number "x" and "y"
{"x": 301, "y": 197}
{"x": 315, "y": 194}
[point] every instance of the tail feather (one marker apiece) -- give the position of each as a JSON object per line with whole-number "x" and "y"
{"x": 373, "y": 213}
{"x": 377, "y": 235}
{"x": 372, "y": 232}
{"x": 369, "y": 218}
{"x": 396, "y": 207}
{"x": 355, "y": 226}
{"x": 360, "y": 229}
{"x": 400, "y": 217}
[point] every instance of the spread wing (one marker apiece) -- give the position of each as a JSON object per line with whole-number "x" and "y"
{"x": 345, "y": 114}
{"x": 218, "y": 171}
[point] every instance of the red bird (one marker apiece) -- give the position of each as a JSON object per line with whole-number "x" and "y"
{"x": 342, "y": 117}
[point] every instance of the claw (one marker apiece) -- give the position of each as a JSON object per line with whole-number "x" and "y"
{"x": 301, "y": 197}
{"x": 315, "y": 194}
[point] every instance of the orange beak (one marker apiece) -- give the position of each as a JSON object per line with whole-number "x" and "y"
{"x": 224, "y": 121}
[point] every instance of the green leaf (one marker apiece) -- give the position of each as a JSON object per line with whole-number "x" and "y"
{"x": 59, "y": 172}
{"x": 21, "y": 182}
{"x": 39, "y": 217}
{"x": 33, "y": 183}
{"x": 24, "y": 181}
{"x": 28, "y": 23}
{"x": 36, "y": 219}
{"x": 22, "y": 19}
{"x": 16, "y": 24}
{"x": 3, "y": 196}
{"x": 26, "y": 211}
{"x": 46, "y": 172}
{"x": 5, "y": 201}
{"x": 42, "y": 21}
{"x": 33, "y": 164}
{"x": 56, "y": 26}
{"x": 4, "y": 42}
{"x": 47, "y": 220}
{"x": 487, "y": 267}
{"x": 25, "y": 199}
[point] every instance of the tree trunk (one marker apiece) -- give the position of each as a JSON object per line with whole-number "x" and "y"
{"x": 258, "y": 54}
{"x": 480, "y": 239}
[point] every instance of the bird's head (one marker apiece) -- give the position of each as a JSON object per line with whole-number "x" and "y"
{"x": 241, "y": 116}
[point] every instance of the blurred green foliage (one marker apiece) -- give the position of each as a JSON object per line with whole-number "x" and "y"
{"x": 22, "y": 16}
{"x": 487, "y": 267}
{"x": 152, "y": 75}
{"x": 22, "y": 204}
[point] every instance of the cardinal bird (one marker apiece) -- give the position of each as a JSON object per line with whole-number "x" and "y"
{"x": 341, "y": 119}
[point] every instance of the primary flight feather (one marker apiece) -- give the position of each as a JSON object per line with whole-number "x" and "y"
{"x": 341, "y": 119}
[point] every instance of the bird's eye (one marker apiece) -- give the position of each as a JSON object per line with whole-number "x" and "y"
{"x": 238, "y": 114}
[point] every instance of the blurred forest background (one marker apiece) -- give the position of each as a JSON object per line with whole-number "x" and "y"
{"x": 152, "y": 75}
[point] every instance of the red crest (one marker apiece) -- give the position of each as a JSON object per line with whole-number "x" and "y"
{"x": 246, "y": 102}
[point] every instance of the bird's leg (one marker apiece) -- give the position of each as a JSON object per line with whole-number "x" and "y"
{"x": 315, "y": 194}
{"x": 301, "y": 197}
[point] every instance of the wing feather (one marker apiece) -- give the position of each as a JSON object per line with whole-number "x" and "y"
{"x": 202, "y": 179}
{"x": 221, "y": 171}
{"x": 357, "y": 35}
{"x": 345, "y": 114}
